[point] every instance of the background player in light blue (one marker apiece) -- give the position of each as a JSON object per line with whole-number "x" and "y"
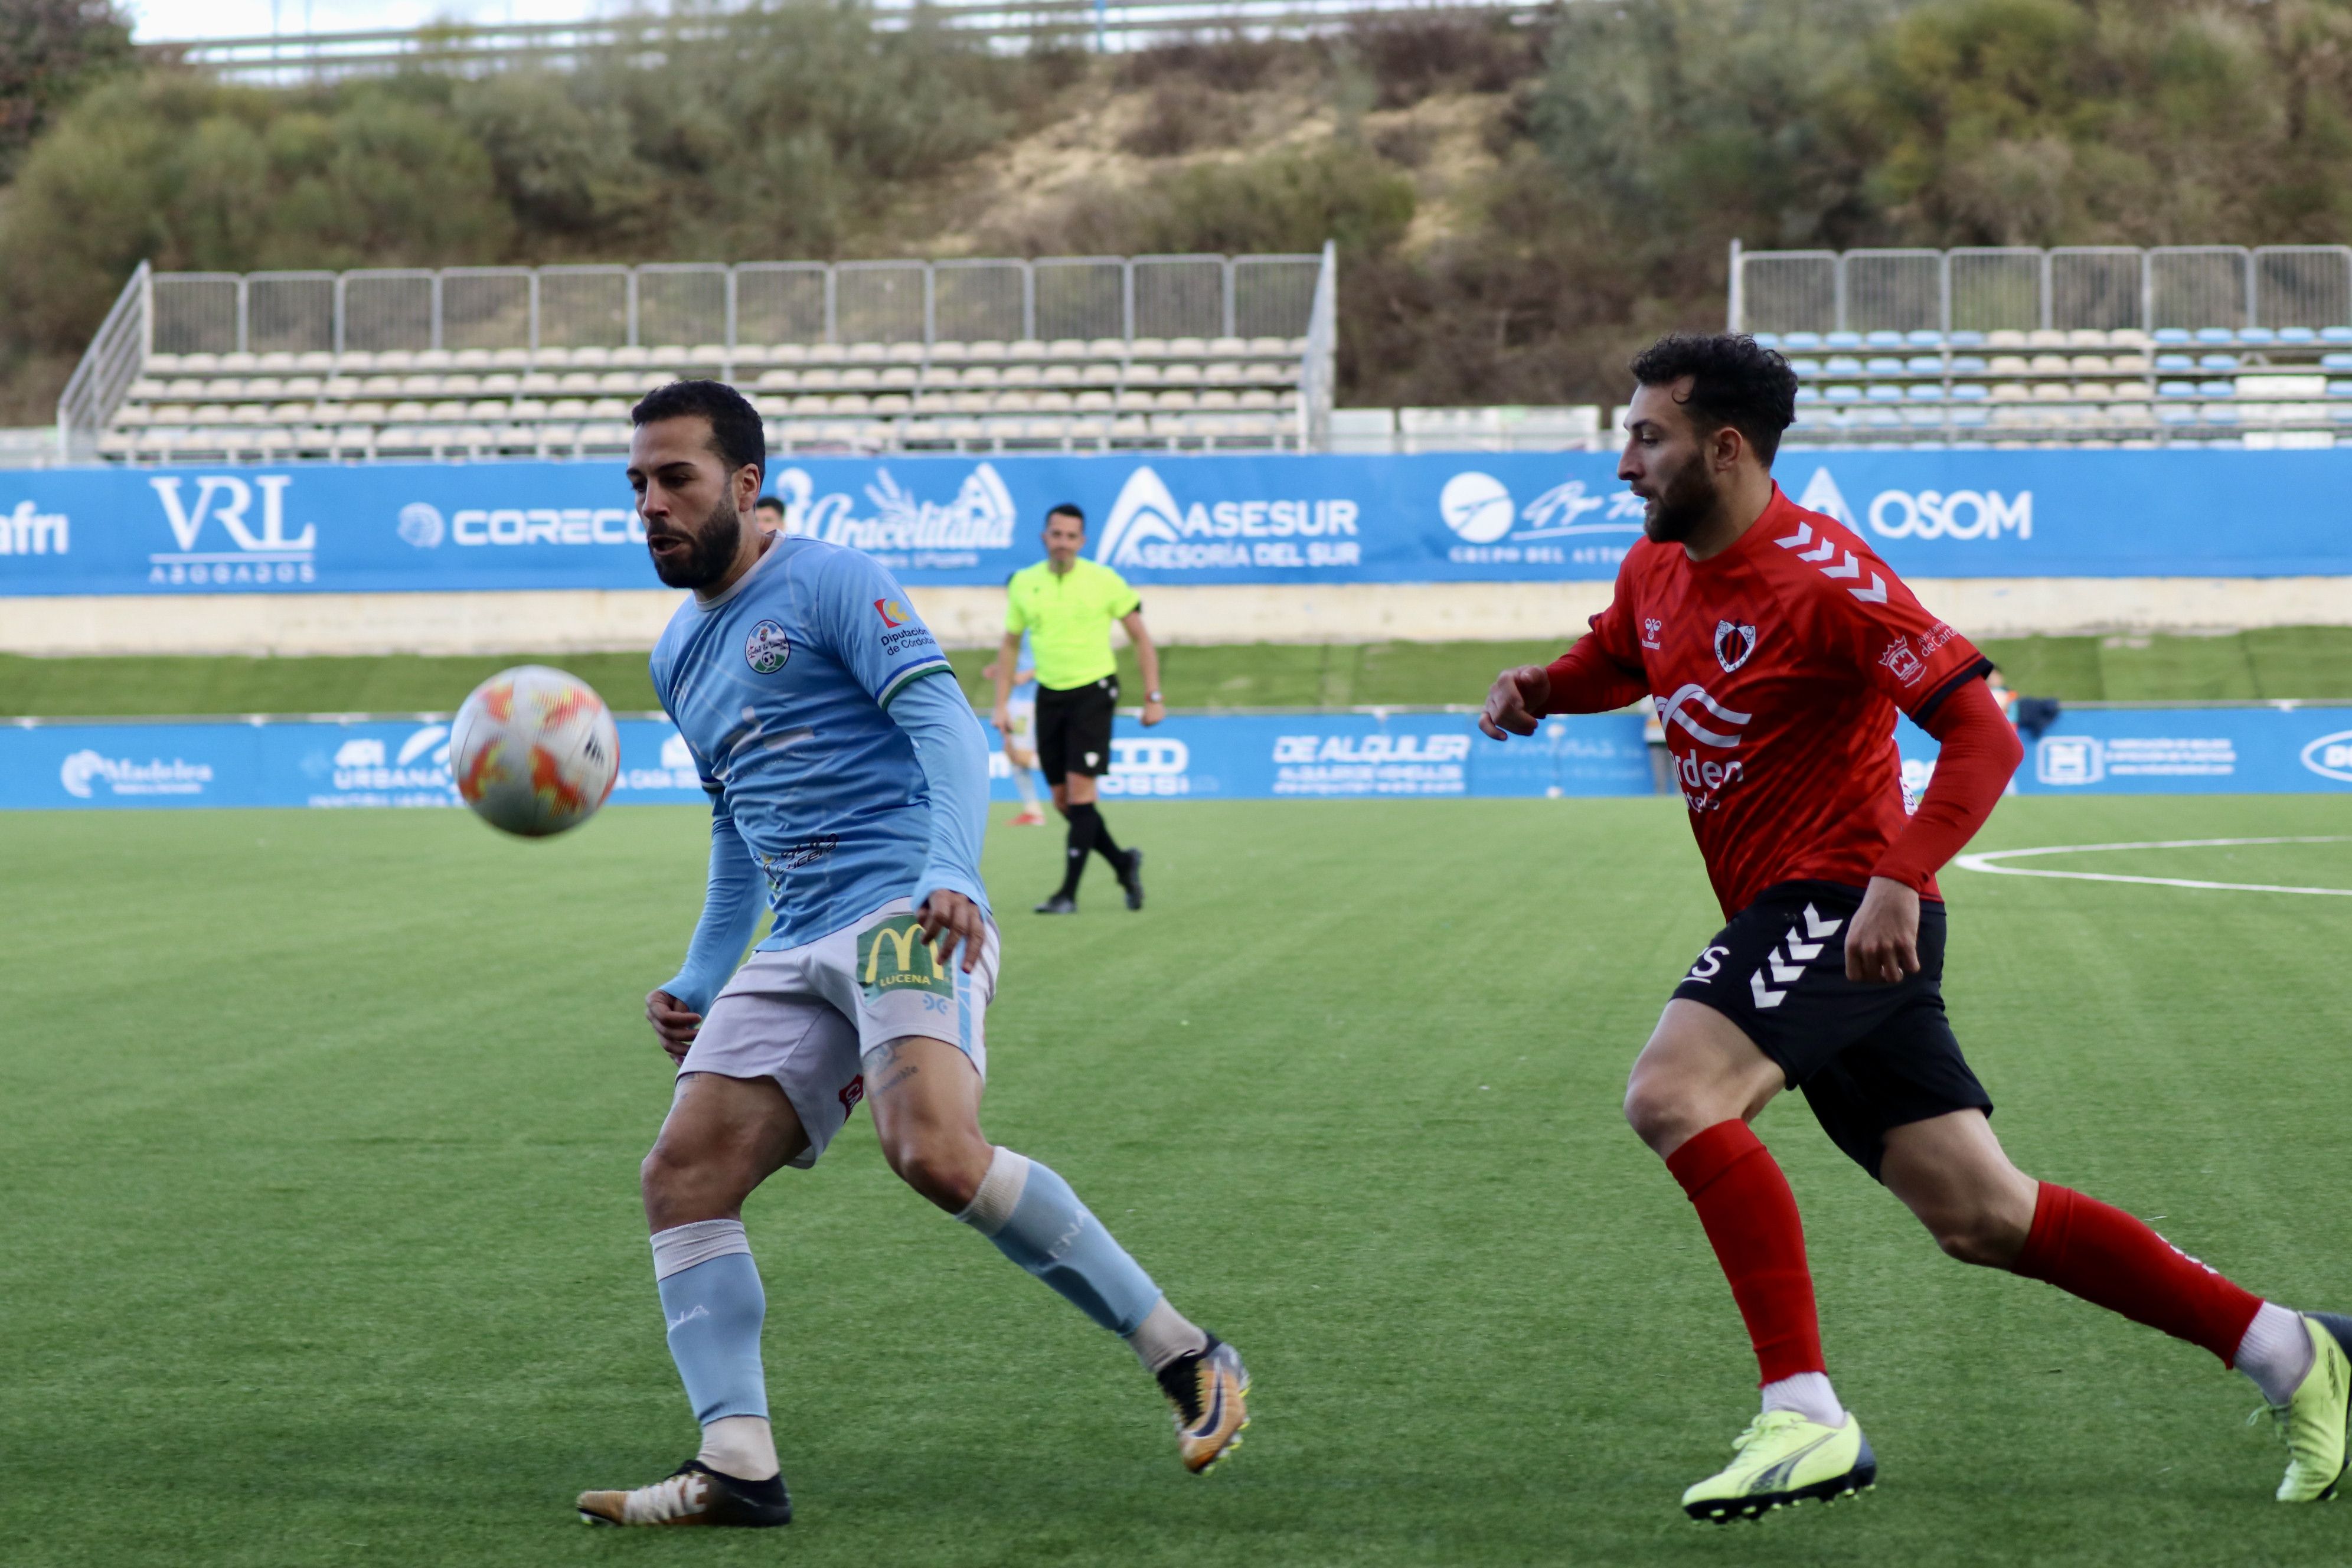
{"x": 847, "y": 773}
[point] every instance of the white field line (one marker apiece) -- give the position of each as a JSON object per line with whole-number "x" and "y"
{"x": 1985, "y": 861}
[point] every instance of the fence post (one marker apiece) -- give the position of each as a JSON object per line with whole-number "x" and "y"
{"x": 535, "y": 313}
{"x": 2146, "y": 291}
{"x": 1839, "y": 274}
{"x": 832, "y": 306}
{"x": 240, "y": 313}
{"x": 436, "y": 307}
{"x": 633, "y": 307}
{"x": 1225, "y": 278}
{"x": 2042, "y": 280}
{"x": 730, "y": 321}
{"x": 341, "y": 313}
{"x": 1127, "y": 297}
{"x": 1028, "y": 298}
{"x": 931, "y": 304}
{"x": 1739, "y": 305}
{"x": 1944, "y": 293}
{"x": 2247, "y": 260}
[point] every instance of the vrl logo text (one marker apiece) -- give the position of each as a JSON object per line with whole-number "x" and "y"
{"x": 257, "y": 557}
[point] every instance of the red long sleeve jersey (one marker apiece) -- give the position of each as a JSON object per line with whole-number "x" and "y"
{"x": 1775, "y": 667}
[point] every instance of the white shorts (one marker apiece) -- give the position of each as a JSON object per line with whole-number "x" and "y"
{"x": 1023, "y": 732}
{"x": 807, "y": 1016}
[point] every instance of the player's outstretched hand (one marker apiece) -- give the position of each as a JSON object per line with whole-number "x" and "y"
{"x": 673, "y": 1024}
{"x": 1514, "y": 700}
{"x": 947, "y": 917}
{"x": 1881, "y": 945}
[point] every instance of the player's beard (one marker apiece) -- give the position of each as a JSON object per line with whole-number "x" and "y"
{"x": 710, "y": 549}
{"x": 1688, "y": 500}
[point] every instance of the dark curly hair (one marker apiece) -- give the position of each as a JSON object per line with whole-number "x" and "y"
{"x": 737, "y": 433}
{"x": 1735, "y": 381}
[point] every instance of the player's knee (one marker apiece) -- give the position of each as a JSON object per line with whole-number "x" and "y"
{"x": 1982, "y": 1237}
{"x": 1657, "y": 1114}
{"x": 943, "y": 1170}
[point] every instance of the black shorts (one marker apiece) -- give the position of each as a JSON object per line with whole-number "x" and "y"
{"x": 1074, "y": 729}
{"x": 1868, "y": 1057}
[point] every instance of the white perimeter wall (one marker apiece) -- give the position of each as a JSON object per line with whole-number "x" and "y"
{"x": 591, "y": 620}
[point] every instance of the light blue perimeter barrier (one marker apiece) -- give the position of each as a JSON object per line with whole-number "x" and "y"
{"x": 378, "y": 762}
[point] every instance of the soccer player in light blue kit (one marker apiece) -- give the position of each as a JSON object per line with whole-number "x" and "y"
{"x": 849, "y": 776}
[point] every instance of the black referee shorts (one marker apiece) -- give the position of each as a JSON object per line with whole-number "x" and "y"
{"x": 1868, "y": 1057}
{"x": 1074, "y": 729}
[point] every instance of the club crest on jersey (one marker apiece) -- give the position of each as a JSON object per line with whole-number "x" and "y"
{"x": 766, "y": 648}
{"x": 1733, "y": 644}
{"x": 1900, "y": 662}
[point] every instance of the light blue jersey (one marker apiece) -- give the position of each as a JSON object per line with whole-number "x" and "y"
{"x": 783, "y": 689}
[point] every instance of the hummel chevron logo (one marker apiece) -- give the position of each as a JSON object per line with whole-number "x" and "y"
{"x": 1789, "y": 970}
{"x": 1848, "y": 568}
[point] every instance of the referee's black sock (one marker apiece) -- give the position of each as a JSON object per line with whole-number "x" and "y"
{"x": 1085, "y": 823}
{"x": 1108, "y": 848}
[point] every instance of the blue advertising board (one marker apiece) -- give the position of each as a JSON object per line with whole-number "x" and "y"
{"x": 2275, "y": 749}
{"x": 374, "y": 763}
{"x": 1158, "y": 518}
{"x": 1311, "y": 756}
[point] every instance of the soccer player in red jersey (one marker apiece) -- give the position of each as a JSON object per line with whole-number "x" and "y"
{"x": 1777, "y": 647}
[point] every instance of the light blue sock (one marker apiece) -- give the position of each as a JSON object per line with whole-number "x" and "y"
{"x": 1036, "y": 1221}
{"x": 712, "y": 1301}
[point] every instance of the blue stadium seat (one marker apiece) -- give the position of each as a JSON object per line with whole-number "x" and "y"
{"x": 1923, "y": 338}
{"x": 1843, "y": 364}
{"x": 2256, "y": 335}
{"x": 2215, "y": 336}
{"x": 2217, "y": 389}
{"x": 1842, "y": 340}
{"x": 1882, "y": 394}
{"x": 1970, "y": 418}
{"x": 1881, "y": 418}
{"x": 2174, "y": 362}
{"x": 2170, "y": 335}
{"x": 1974, "y": 392}
{"x": 1767, "y": 339}
{"x": 1927, "y": 392}
{"x": 1801, "y": 340}
{"x": 2217, "y": 361}
{"x": 1965, "y": 338}
{"x": 2339, "y": 389}
{"x": 2298, "y": 335}
{"x": 1967, "y": 364}
{"x": 1806, "y": 366}
{"x": 1846, "y": 394}
{"x": 2340, "y": 414}
{"x": 2336, "y": 361}
{"x": 2176, "y": 389}
{"x": 1883, "y": 339}
{"x": 1808, "y": 395}
{"x": 1882, "y": 364}
{"x": 2177, "y": 414}
{"x": 1926, "y": 365}
{"x": 2335, "y": 334}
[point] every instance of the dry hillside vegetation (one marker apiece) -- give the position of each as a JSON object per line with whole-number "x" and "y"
{"x": 1517, "y": 204}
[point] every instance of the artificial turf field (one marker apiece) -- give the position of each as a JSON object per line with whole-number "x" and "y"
{"x": 320, "y": 1243}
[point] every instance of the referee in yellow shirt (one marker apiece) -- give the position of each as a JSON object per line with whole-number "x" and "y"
{"x": 1066, "y": 605}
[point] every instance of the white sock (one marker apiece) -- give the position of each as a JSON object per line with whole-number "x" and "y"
{"x": 741, "y": 1446}
{"x": 1025, "y": 784}
{"x": 2275, "y": 1352}
{"x": 1164, "y": 1334}
{"x": 1808, "y": 1393}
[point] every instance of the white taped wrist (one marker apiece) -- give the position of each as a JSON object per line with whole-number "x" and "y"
{"x": 1000, "y": 1192}
{"x": 682, "y": 1246}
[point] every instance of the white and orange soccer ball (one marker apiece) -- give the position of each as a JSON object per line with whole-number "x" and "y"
{"x": 534, "y": 750}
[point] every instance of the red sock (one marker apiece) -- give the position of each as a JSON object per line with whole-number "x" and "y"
{"x": 1750, "y": 1217}
{"x": 2111, "y": 1260}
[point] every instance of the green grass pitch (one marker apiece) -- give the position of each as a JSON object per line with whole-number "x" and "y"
{"x": 321, "y": 1242}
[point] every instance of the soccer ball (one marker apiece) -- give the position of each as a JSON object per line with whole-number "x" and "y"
{"x": 534, "y": 750}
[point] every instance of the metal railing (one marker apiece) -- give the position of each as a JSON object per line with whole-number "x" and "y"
{"x": 468, "y": 48}
{"x": 706, "y": 307}
{"x": 2067, "y": 287}
{"x": 763, "y": 302}
{"x": 108, "y": 368}
{"x": 1318, "y": 374}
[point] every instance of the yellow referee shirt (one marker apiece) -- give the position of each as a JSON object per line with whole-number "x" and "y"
{"x": 1067, "y": 616}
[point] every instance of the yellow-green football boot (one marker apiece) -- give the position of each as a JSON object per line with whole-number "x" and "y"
{"x": 1784, "y": 1459}
{"x": 2316, "y": 1419}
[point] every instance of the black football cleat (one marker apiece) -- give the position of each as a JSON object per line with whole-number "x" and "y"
{"x": 1132, "y": 879}
{"x": 694, "y": 1494}
{"x": 1059, "y": 904}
